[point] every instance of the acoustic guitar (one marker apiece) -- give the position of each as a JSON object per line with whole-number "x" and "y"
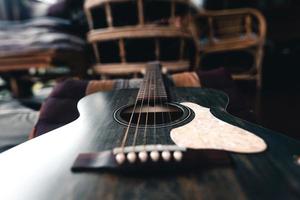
{"x": 157, "y": 142}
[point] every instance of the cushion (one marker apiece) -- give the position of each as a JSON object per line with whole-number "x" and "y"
{"x": 25, "y": 9}
{"x": 34, "y": 36}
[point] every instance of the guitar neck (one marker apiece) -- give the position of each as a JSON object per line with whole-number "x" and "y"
{"x": 153, "y": 87}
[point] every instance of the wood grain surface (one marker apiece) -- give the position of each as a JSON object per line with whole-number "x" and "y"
{"x": 41, "y": 168}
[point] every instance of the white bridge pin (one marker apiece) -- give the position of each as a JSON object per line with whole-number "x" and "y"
{"x": 131, "y": 157}
{"x": 166, "y": 155}
{"x": 143, "y": 156}
{"x": 154, "y": 156}
{"x": 177, "y": 155}
{"x": 120, "y": 158}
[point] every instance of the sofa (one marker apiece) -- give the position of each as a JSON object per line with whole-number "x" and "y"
{"x": 40, "y": 34}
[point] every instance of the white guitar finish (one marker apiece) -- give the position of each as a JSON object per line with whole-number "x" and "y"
{"x": 206, "y": 131}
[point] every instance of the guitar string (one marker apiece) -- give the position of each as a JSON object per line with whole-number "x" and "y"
{"x": 161, "y": 104}
{"x": 169, "y": 113}
{"x": 140, "y": 112}
{"x": 147, "y": 115}
{"x": 154, "y": 115}
{"x": 154, "y": 106}
{"x": 155, "y": 130}
{"x": 130, "y": 121}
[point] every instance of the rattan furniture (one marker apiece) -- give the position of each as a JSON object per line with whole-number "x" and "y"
{"x": 126, "y": 34}
{"x": 233, "y": 30}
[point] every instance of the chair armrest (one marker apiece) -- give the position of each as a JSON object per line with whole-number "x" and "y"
{"x": 210, "y": 16}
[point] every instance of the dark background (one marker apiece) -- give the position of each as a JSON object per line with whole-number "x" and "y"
{"x": 277, "y": 106}
{"x": 281, "y": 64}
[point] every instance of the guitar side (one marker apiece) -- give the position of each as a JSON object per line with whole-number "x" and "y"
{"x": 41, "y": 168}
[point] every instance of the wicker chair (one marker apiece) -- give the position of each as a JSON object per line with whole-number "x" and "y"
{"x": 123, "y": 42}
{"x": 233, "y": 30}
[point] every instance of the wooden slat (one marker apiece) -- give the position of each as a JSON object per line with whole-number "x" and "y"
{"x": 96, "y": 51}
{"x": 20, "y": 60}
{"x": 122, "y": 51}
{"x": 136, "y": 32}
{"x": 89, "y": 18}
{"x": 229, "y": 26}
{"x": 140, "y": 8}
{"x": 24, "y": 63}
{"x": 230, "y": 45}
{"x": 108, "y": 14}
{"x": 227, "y": 30}
{"x": 244, "y": 76}
{"x": 248, "y": 24}
{"x": 24, "y": 67}
{"x": 28, "y": 53}
{"x": 94, "y": 3}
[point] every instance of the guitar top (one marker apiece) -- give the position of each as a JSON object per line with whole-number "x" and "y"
{"x": 113, "y": 152}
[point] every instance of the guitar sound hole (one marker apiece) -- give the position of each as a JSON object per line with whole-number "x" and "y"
{"x": 152, "y": 116}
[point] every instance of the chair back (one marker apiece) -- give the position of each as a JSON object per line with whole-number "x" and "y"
{"x": 126, "y": 34}
{"x": 231, "y": 24}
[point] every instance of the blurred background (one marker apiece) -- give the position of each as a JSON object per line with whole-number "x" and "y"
{"x": 43, "y": 42}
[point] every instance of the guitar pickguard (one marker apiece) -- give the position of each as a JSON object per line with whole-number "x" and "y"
{"x": 206, "y": 131}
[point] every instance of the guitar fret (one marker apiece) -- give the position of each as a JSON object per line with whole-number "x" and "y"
{"x": 158, "y": 88}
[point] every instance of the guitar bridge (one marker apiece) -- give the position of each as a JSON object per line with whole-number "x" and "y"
{"x": 149, "y": 158}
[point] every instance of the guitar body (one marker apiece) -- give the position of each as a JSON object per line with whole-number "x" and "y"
{"x": 41, "y": 168}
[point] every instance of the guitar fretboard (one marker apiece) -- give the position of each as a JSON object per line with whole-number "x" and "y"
{"x": 153, "y": 87}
